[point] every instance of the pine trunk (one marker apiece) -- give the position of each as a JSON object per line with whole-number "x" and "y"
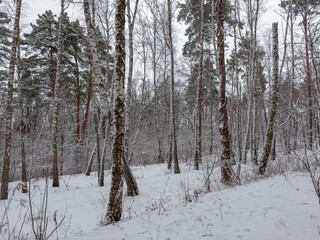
{"x": 155, "y": 89}
{"x": 198, "y": 152}
{"x": 305, "y": 25}
{"x": 226, "y": 155}
{"x": 22, "y": 124}
{"x": 176, "y": 168}
{"x": 55, "y": 171}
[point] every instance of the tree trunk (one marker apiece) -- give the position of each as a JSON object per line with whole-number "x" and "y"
{"x": 78, "y": 96}
{"x": 86, "y": 115}
{"x": 292, "y": 80}
{"x": 155, "y": 89}
{"x": 273, "y": 113}
{"x": 22, "y": 125}
{"x": 226, "y": 155}
{"x": 198, "y": 152}
{"x": 89, "y": 166}
{"x": 170, "y": 150}
{"x": 99, "y": 83}
{"x": 305, "y": 25}
{"x": 77, "y": 156}
{"x": 8, "y": 134}
{"x": 132, "y": 187}
{"x": 55, "y": 171}
{"x": 115, "y": 198}
{"x": 238, "y": 98}
{"x": 173, "y": 117}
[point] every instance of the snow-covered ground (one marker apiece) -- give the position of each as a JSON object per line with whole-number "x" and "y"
{"x": 173, "y": 207}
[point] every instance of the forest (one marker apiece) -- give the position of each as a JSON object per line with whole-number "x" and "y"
{"x": 104, "y": 94}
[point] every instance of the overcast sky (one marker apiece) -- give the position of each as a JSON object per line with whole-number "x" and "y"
{"x": 39, "y": 6}
{"x": 36, "y": 7}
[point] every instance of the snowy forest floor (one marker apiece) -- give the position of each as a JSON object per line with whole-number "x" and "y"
{"x": 170, "y": 207}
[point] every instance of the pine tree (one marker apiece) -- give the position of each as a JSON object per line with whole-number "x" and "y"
{"x": 226, "y": 155}
{"x": 56, "y": 97}
{"x": 5, "y": 34}
{"x": 41, "y": 52}
{"x": 176, "y": 168}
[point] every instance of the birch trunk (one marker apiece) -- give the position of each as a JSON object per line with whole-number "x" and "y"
{"x": 273, "y": 113}
{"x": 131, "y": 23}
{"x": 115, "y": 198}
{"x": 238, "y": 108}
{"x": 132, "y": 186}
{"x": 86, "y": 115}
{"x": 176, "y": 168}
{"x": 8, "y": 125}
{"x": 98, "y": 82}
{"x": 89, "y": 166}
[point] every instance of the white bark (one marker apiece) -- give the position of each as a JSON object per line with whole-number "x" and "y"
{"x": 8, "y": 136}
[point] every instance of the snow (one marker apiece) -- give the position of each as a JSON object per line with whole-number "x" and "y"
{"x": 176, "y": 207}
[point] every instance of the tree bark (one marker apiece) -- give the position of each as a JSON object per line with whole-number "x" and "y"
{"x": 226, "y": 155}
{"x": 132, "y": 186}
{"x": 173, "y": 117}
{"x": 115, "y": 198}
{"x": 293, "y": 123}
{"x": 78, "y": 95}
{"x": 155, "y": 89}
{"x": 55, "y": 171}
{"x": 198, "y": 152}
{"x": 89, "y": 166}
{"x": 98, "y": 82}
{"x": 273, "y": 113}
{"x": 22, "y": 125}
{"x": 8, "y": 134}
{"x": 86, "y": 115}
{"x": 305, "y": 25}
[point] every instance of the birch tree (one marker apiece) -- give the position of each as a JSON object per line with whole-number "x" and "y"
{"x": 132, "y": 187}
{"x": 99, "y": 87}
{"x": 115, "y": 197}
{"x": 273, "y": 113}
{"x": 8, "y": 123}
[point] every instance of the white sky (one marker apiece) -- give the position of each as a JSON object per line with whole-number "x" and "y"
{"x": 36, "y": 7}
